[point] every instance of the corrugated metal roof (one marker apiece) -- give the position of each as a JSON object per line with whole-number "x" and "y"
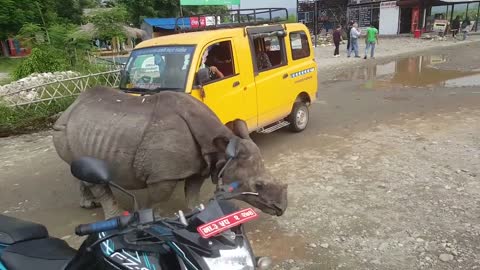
{"x": 458, "y": 1}
{"x": 168, "y": 23}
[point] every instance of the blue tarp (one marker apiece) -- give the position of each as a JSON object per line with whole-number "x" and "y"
{"x": 168, "y": 23}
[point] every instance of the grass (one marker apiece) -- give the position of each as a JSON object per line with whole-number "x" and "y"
{"x": 15, "y": 121}
{"x": 6, "y": 80}
{"x": 7, "y": 65}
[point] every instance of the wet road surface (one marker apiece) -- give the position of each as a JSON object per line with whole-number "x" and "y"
{"x": 35, "y": 184}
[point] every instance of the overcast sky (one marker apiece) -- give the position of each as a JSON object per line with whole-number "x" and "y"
{"x": 267, "y": 3}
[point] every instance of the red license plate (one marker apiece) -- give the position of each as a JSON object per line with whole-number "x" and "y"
{"x": 222, "y": 224}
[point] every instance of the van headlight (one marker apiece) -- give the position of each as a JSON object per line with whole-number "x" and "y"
{"x": 232, "y": 259}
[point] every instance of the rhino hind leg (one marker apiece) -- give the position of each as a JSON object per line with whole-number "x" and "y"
{"x": 103, "y": 194}
{"x": 87, "y": 200}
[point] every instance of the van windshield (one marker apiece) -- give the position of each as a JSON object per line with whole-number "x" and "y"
{"x": 157, "y": 68}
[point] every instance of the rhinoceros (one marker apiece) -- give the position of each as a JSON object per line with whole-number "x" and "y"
{"x": 155, "y": 141}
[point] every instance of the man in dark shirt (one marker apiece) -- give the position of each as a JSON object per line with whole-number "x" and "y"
{"x": 337, "y": 38}
{"x": 349, "y": 30}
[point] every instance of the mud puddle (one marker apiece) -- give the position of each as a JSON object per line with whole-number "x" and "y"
{"x": 418, "y": 71}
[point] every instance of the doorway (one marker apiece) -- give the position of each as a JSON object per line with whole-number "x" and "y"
{"x": 405, "y": 20}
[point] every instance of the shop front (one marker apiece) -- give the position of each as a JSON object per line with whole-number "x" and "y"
{"x": 437, "y": 15}
{"x": 452, "y": 10}
{"x": 383, "y": 14}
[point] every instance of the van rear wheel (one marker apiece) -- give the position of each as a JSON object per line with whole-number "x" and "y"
{"x": 299, "y": 117}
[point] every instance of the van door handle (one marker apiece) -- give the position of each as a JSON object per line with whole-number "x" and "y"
{"x": 235, "y": 84}
{"x": 285, "y": 75}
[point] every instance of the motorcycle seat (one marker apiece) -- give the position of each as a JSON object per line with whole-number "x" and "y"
{"x": 13, "y": 230}
{"x": 46, "y": 253}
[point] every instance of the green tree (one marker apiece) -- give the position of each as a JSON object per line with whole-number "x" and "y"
{"x": 42, "y": 59}
{"x": 109, "y": 23}
{"x": 139, "y": 9}
{"x": 14, "y": 14}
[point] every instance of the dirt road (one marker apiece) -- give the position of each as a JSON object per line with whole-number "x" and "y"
{"x": 387, "y": 176}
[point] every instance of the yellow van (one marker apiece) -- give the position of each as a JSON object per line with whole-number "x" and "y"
{"x": 264, "y": 74}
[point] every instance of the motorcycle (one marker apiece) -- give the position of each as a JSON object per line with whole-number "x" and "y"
{"x": 210, "y": 237}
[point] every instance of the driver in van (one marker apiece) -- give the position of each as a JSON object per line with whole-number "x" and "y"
{"x": 208, "y": 61}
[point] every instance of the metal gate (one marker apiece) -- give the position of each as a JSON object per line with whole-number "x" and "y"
{"x": 322, "y": 15}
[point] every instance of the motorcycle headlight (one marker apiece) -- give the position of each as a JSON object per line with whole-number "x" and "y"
{"x": 233, "y": 259}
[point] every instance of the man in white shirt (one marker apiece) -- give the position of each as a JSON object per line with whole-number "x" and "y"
{"x": 354, "y": 35}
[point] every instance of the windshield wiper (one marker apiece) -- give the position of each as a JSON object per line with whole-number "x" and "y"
{"x": 167, "y": 88}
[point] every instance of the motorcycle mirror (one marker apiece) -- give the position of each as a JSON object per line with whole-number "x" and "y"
{"x": 95, "y": 171}
{"x": 91, "y": 170}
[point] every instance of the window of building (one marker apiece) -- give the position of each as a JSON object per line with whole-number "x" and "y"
{"x": 300, "y": 45}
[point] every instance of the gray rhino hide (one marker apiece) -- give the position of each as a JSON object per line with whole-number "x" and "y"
{"x": 166, "y": 136}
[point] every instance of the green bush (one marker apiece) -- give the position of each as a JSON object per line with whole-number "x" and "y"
{"x": 42, "y": 59}
{"x": 14, "y": 121}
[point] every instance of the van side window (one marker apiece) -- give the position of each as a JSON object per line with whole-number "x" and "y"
{"x": 300, "y": 45}
{"x": 218, "y": 58}
{"x": 269, "y": 53}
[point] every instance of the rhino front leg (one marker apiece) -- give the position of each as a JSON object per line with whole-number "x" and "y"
{"x": 87, "y": 200}
{"x": 160, "y": 191}
{"x": 103, "y": 194}
{"x": 193, "y": 185}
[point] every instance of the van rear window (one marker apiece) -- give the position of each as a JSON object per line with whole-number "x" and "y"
{"x": 300, "y": 45}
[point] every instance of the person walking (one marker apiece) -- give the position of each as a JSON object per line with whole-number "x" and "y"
{"x": 354, "y": 35}
{"x": 455, "y": 26}
{"x": 370, "y": 40}
{"x": 337, "y": 38}
{"x": 466, "y": 27}
{"x": 349, "y": 29}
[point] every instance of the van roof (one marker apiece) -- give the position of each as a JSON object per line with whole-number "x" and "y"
{"x": 200, "y": 37}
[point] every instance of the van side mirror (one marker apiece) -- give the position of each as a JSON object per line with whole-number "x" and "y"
{"x": 203, "y": 76}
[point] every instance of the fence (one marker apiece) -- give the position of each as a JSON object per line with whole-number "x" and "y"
{"x": 47, "y": 93}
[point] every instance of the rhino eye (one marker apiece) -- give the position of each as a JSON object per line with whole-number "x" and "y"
{"x": 259, "y": 186}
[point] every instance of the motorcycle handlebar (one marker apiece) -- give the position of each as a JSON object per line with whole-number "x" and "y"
{"x": 102, "y": 226}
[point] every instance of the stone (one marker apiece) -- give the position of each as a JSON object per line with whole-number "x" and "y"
{"x": 324, "y": 245}
{"x": 383, "y": 246}
{"x": 312, "y": 245}
{"x": 445, "y": 257}
{"x": 329, "y": 188}
{"x": 66, "y": 237}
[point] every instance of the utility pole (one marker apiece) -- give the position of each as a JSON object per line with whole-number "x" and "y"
{"x": 315, "y": 21}
{"x": 43, "y": 20}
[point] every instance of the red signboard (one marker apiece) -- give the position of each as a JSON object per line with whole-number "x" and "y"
{"x": 222, "y": 224}
{"x": 196, "y": 22}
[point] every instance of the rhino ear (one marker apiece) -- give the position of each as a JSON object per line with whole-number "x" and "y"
{"x": 221, "y": 143}
{"x": 239, "y": 128}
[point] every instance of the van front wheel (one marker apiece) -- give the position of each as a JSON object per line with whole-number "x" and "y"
{"x": 299, "y": 117}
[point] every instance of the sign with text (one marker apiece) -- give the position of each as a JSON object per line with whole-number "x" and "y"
{"x": 222, "y": 224}
{"x": 209, "y": 2}
{"x": 196, "y": 22}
